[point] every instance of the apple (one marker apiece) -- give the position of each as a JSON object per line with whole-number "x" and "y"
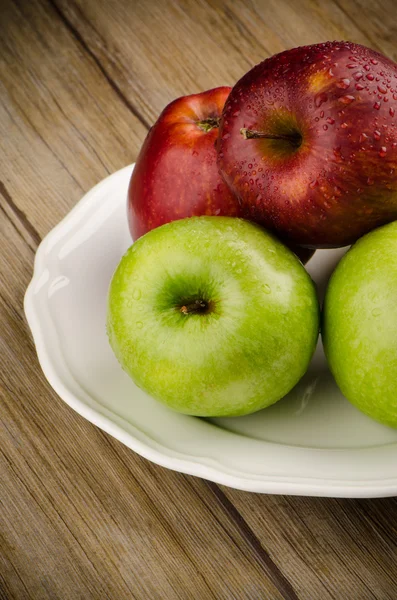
{"x": 360, "y": 324}
{"x": 176, "y": 174}
{"x": 212, "y": 316}
{"x": 308, "y": 143}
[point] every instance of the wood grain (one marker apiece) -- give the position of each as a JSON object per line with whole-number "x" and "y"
{"x": 81, "y": 516}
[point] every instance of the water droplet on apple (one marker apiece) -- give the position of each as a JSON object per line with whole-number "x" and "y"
{"x": 325, "y": 127}
{"x": 382, "y": 89}
{"x": 367, "y": 67}
{"x": 359, "y": 87}
{"x": 377, "y": 134}
{"x": 322, "y": 114}
{"x": 343, "y": 84}
{"x": 139, "y": 324}
{"x": 374, "y": 61}
{"x": 376, "y": 312}
{"x": 320, "y": 98}
{"x": 344, "y": 125}
{"x": 383, "y": 152}
{"x": 370, "y": 181}
{"x": 377, "y": 105}
{"x": 136, "y": 294}
{"x": 357, "y": 76}
{"x": 313, "y": 184}
{"x": 370, "y": 77}
{"x": 330, "y": 121}
{"x": 351, "y": 66}
{"x": 266, "y": 288}
{"x": 362, "y": 137}
{"x": 347, "y": 99}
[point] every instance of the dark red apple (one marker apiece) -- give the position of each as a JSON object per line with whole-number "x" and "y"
{"x": 176, "y": 174}
{"x": 308, "y": 142}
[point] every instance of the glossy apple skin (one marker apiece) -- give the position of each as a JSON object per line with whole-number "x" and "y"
{"x": 360, "y": 324}
{"x": 342, "y": 180}
{"x": 250, "y": 348}
{"x": 176, "y": 174}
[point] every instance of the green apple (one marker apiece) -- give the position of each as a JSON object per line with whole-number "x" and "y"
{"x": 360, "y": 324}
{"x": 212, "y": 316}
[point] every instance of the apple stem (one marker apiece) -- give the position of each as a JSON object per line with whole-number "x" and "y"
{"x": 252, "y": 134}
{"x": 198, "y": 306}
{"x": 208, "y": 124}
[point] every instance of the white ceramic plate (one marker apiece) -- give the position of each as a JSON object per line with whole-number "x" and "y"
{"x": 313, "y": 442}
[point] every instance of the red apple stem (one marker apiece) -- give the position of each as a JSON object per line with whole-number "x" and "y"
{"x": 252, "y": 134}
{"x": 208, "y": 124}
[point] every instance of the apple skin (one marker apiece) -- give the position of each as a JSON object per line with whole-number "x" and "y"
{"x": 359, "y": 327}
{"x": 252, "y": 343}
{"x": 332, "y": 175}
{"x": 176, "y": 174}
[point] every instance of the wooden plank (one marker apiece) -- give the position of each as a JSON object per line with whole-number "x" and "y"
{"x": 139, "y": 45}
{"x": 62, "y": 125}
{"x": 157, "y": 51}
{"x": 377, "y": 20}
{"x": 327, "y": 547}
{"x": 84, "y": 517}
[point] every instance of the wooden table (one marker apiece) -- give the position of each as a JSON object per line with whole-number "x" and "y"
{"x": 81, "y": 515}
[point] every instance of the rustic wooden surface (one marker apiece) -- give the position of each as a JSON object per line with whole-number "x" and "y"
{"x": 81, "y": 516}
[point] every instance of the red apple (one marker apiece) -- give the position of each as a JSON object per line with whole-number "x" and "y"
{"x": 176, "y": 174}
{"x": 308, "y": 142}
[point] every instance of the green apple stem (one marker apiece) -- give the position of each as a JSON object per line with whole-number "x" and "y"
{"x": 196, "y": 307}
{"x": 293, "y": 138}
{"x": 208, "y": 124}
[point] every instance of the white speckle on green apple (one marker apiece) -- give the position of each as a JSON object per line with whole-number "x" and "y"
{"x": 360, "y": 324}
{"x": 226, "y": 319}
